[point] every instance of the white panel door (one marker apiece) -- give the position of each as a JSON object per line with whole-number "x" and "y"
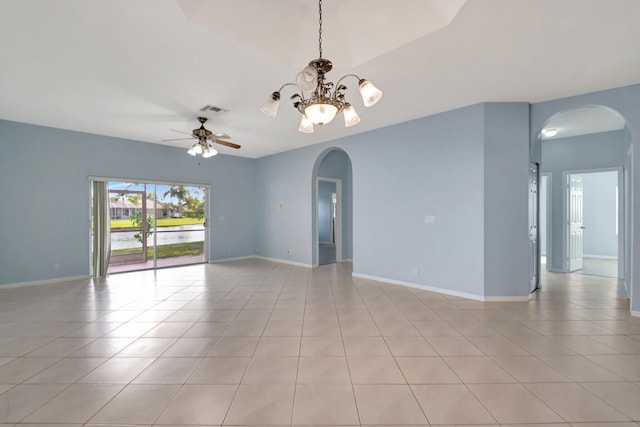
{"x": 576, "y": 228}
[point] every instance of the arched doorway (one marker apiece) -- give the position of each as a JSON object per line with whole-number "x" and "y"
{"x": 578, "y": 145}
{"x": 332, "y": 212}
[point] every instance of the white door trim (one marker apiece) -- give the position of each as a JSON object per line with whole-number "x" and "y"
{"x": 549, "y": 249}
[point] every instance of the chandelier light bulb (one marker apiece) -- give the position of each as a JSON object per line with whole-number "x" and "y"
{"x": 192, "y": 151}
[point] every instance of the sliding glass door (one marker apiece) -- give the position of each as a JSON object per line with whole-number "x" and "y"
{"x": 155, "y": 225}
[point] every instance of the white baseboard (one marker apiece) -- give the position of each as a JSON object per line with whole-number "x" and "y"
{"x": 508, "y": 299}
{"x": 218, "y": 260}
{"x": 423, "y": 287}
{"x": 278, "y": 260}
{"x": 444, "y": 291}
{"x": 555, "y": 270}
{"x": 326, "y": 243}
{"x": 43, "y": 282}
{"x": 285, "y": 261}
{"x": 635, "y": 313}
{"x": 600, "y": 257}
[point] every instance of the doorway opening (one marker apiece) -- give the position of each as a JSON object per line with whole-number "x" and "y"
{"x": 574, "y": 144}
{"x": 156, "y": 225}
{"x": 593, "y": 226}
{"x": 332, "y": 218}
{"x": 329, "y": 221}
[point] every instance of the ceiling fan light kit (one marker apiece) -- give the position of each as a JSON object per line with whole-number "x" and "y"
{"x": 204, "y": 148}
{"x": 205, "y": 140}
{"x": 325, "y": 100}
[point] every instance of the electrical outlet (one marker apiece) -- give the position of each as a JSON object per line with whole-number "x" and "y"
{"x": 414, "y": 271}
{"x": 55, "y": 266}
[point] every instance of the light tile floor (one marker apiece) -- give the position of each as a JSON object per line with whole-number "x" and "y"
{"x": 258, "y": 343}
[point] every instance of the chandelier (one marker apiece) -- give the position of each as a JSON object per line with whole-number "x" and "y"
{"x": 320, "y": 101}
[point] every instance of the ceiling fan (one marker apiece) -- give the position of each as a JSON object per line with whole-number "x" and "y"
{"x": 204, "y": 139}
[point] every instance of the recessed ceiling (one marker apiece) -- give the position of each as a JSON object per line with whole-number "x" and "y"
{"x": 355, "y": 32}
{"x": 136, "y": 69}
{"x": 583, "y": 121}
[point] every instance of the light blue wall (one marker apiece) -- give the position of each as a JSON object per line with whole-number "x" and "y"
{"x": 506, "y": 184}
{"x": 579, "y": 153}
{"x": 325, "y": 190}
{"x": 44, "y": 173}
{"x": 427, "y": 167}
{"x": 599, "y": 207}
{"x": 283, "y": 205}
{"x": 433, "y": 166}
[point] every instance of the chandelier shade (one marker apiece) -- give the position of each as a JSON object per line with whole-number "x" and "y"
{"x": 270, "y": 107}
{"x": 307, "y": 79}
{"x": 350, "y": 116}
{"x": 370, "y": 93}
{"x": 306, "y": 125}
{"x": 320, "y": 114}
{"x": 318, "y": 100}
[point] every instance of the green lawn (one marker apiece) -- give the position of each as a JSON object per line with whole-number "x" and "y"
{"x": 162, "y": 222}
{"x": 167, "y": 251}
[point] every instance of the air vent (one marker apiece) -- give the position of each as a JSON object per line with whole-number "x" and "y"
{"x": 214, "y": 109}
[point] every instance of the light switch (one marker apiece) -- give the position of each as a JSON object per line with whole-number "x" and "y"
{"x": 429, "y": 219}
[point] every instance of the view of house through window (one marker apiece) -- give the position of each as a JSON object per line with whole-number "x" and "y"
{"x": 156, "y": 225}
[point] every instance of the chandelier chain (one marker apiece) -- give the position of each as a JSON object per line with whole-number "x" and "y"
{"x": 320, "y": 27}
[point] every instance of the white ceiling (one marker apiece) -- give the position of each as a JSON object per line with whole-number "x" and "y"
{"x": 135, "y": 69}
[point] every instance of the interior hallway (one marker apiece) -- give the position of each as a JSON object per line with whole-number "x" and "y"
{"x": 258, "y": 343}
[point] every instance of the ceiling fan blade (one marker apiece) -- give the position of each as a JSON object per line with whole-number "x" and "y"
{"x": 220, "y": 135}
{"x": 179, "y": 131}
{"x": 227, "y": 143}
{"x": 176, "y": 139}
